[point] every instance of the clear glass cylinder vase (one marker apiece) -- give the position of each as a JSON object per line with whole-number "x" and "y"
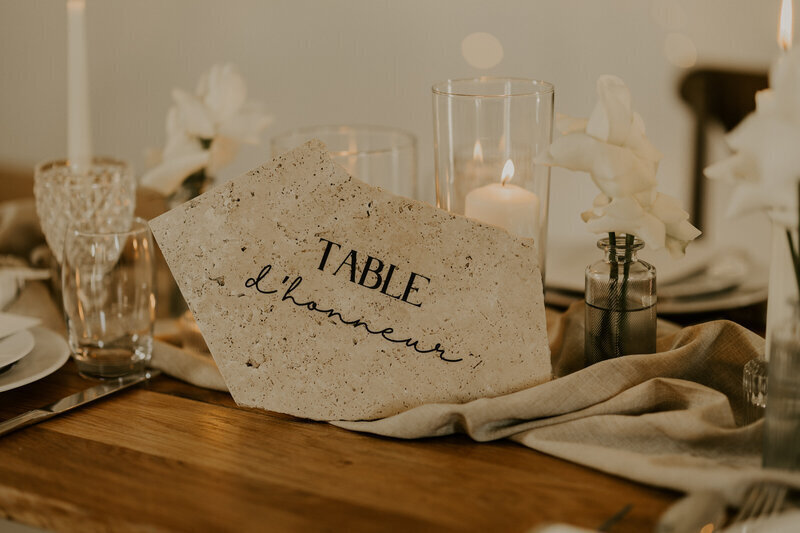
{"x": 381, "y": 156}
{"x": 782, "y": 418}
{"x": 487, "y": 133}
{"x": 783, "y": 291}
{"x": 620, "y": 302}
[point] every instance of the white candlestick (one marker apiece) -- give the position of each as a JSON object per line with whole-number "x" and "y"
{"x": 508, "y": 206}
{"x": 79, "y": 136}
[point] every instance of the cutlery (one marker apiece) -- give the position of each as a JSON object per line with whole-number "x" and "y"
{"x": 615, "y": 518}
{"x": 74, "y": 400}
{"x": 762, "y": 499}
{"x": 693, "y": 513}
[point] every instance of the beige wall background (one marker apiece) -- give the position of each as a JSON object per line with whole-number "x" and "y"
{"x": 370, "y": 61}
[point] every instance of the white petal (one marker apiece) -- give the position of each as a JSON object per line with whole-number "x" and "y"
{"x": 682, "y": 231}
{"x": 182, "y": 145}
{"x": 646, "y": 198}
{"x": 668, "y": 210}
{"x": 625, "y": 208}
{"x": 676, "y": 248}
{"x": 589, "y": 215}
{"x": 615, "y": 170}
{"x": 168, "y": 176}
{"x": 175, "y": 124}
{"x": 747, "y": 198}
{"x": 625, "y": 215}
{"x": 573, "y": 152}
{"x": 193, "y": 114}
{"x": 566, "y": 124}
{"x": 246, "y": 125}
{"x": 766, "y": 102}
{"x": 639, "y": 143}
{"x": 601, "y": 200}
{"x": 611, "y": 117}
{"x": 224, "y": 91}
{"x": 741, "y": 166}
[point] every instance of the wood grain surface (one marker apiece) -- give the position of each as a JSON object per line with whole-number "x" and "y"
{"x": 167, "y": 456}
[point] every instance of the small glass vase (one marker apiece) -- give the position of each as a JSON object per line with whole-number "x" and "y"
{"x": 620, "y": 302}
{"x": 782, "y": 292}
{"x": 782, "y": 417}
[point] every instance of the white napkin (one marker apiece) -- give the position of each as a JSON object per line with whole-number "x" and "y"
{"x": 10, "y": 323}
{"x": 192, "y": 367}
{"x": 13, "y": 275}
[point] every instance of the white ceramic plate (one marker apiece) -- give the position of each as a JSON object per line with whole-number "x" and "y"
{"x": 567, "y": 262}
{"x": 15, "y": 347}
{"x": 48, "y": 355}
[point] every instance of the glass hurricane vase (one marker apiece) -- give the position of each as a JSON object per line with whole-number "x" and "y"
{"x": 782, "y": 418}
{"x": 780, "y": 309}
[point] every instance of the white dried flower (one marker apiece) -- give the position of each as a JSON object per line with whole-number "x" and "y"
{"x": 613, "y": 148}
{"x": 205, "y": 129}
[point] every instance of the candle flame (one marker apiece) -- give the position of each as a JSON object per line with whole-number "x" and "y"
{"x": 477, "y": 152}
{"x": 508, "y": 172}
{"x": 785, "y": 26}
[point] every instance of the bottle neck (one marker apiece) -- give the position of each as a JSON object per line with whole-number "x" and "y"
{"x": 620, "y": 256}
{"x": 622, "y": 249}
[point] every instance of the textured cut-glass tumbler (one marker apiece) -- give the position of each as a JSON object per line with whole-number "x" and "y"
{"x": 101, "y": 196}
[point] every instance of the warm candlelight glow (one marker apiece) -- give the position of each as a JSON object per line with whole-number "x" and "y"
{"x": 477, "y": 152}
{"x": 508, "y": 172}
{"x": 785, "y": 25}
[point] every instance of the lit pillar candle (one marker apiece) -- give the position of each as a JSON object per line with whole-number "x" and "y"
{"x": 79, "y": 137}
{"x": 505, "y": 205}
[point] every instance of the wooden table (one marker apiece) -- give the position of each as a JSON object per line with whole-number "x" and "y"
{"x": 167, "y": 456}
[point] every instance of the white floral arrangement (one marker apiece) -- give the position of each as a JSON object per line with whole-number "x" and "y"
{"x": 205, "y": 129}
{"x": 612, "y": 147}
{"x": 765, "y": 165}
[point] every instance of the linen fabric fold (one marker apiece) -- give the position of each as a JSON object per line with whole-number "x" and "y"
{"x": 668, "y": 419}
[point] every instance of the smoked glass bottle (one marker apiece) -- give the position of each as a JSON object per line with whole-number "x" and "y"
{"x": 620, "y": 302}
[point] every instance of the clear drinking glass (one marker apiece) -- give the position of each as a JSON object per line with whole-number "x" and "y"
{"x": 109, "y": 301}
{"x": 381, "y": 156}
{"x": 782, "y": 417}
{"x": 620, "y": 302}
{"x": 102, "y": 195}
{"x": 486, "y": 134}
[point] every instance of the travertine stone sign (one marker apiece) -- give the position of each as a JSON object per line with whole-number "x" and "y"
{"x": 326, "y": 298}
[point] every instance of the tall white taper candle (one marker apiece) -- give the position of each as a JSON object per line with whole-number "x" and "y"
{"x": 79, "y": 131}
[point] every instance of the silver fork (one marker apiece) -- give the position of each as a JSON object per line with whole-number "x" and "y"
{"x": 761, "y": 500}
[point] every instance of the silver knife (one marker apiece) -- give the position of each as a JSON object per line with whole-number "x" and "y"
{"x": 74, "y": 400}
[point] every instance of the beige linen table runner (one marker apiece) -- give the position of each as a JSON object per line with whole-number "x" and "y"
{"x": 667, "y": 419}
